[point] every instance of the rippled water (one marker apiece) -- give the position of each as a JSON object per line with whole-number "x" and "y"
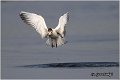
{"x": 73, "y": 65}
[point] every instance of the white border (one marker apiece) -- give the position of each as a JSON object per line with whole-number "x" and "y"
{"x": 58, "y": 0}
{"x": 119, "y": 40}
{"x": 0, "y": 40}
{"x": 60, "y": 79}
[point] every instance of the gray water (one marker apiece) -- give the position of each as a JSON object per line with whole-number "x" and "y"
{"x": 92, "y": 35}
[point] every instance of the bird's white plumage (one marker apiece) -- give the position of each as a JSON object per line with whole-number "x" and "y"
{"x": 60, "y": 41}
{"x": 62, "y": 23}
{"x": 36, "y": 21}
{"x": 57, "y": 36}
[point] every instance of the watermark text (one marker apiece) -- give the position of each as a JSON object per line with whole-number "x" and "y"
{"x": 100, "y": 74}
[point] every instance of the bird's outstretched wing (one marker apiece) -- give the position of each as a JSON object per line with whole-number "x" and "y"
{"x": 61, "y": 25}
{"x": 35, "y": 21}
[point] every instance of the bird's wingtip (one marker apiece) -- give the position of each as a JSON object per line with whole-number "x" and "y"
{"x": 22, "y": 12}
{"x": 67, "y": 12}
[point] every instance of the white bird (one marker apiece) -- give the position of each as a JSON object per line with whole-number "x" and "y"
{"x": 56, "y": 36}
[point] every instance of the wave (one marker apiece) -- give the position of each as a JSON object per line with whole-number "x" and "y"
{"x": 73, "y": 65}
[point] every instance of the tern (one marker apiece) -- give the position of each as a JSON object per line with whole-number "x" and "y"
{"x": 56, "y": 36}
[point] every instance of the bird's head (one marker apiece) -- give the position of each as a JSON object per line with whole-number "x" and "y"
{"x": 50, "y": 31}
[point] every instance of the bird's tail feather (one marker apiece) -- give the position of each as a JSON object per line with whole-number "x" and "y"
{"x": 60, "y": 41}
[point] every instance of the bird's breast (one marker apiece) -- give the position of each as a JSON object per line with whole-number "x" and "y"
{"x": 54, "y": 35}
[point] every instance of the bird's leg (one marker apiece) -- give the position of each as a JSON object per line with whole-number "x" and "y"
{"x": 56, "y": 43}
{"x": 52, "y": 43}
{"x": 52, "y": 46}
